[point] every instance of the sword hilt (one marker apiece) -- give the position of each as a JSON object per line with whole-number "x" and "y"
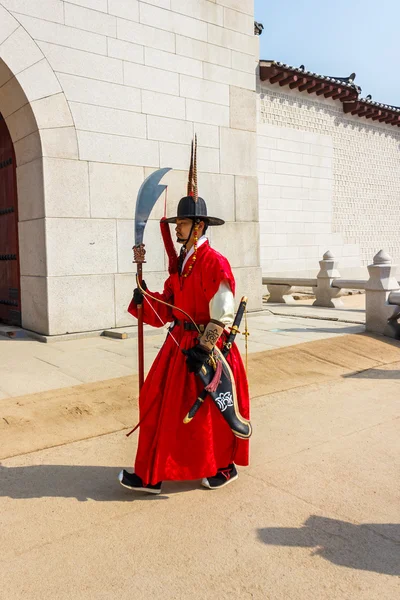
{"x": 195, "y": 407}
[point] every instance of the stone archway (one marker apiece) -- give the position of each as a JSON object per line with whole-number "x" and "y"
{"x": 41, "y": 127}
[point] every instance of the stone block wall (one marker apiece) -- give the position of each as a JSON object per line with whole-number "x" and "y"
{"x": 327, "y": 181}
{"x": 99, "y": 93}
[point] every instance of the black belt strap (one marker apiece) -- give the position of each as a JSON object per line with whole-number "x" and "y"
{"x": 188, "y": 326}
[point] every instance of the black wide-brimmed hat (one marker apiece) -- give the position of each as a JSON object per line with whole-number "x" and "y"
{"x": 191, "y": 206}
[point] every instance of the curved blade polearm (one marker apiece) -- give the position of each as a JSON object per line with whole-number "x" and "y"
{"x": 149, "y": 192}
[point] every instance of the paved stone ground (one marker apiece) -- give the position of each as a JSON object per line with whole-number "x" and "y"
{"x": 28, "y": 366}
{"x": 316, "y": 515}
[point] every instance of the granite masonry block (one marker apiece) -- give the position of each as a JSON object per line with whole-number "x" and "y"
{"x": 91, "y": 20}
{"x": 232, "y": 39}
{"x": 88, "y": 117}
{"x": 126, "y": 10}
{"x": 94, "y": 241}
{"x": 39, "y": 81}
{"x": 145, "y": 35}
{"x": 66, "y": 188}
{"x": 106, "y": 148}
{"x": 207, "y": 91}
{"x": 206, "y": 112}
{"x": 113, "y": 190}
{"x": 125, "y": 50}
{"x": 91, "y": 307}
{"x": 30, "y": 190}
{"x": 238, "y": 21}
{"x": 163, "y": 105}
{"x": 204, "y": 51}
{"x": 86, "y": 64}
{"x": 50, "y": 10}
{"x": 100, "y": 93}
{"x": 173, "y": 22}
{"x": 203, "y": 10}
{"x": 171, "y": 130}
{"x": 168, "y": 61}
{"x": 149, "y": 78}
{"x": 71, "y": 37}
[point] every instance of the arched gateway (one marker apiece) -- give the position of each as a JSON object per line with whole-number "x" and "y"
{"x": 36, "y": 135}
{"x": 10, "y": 294}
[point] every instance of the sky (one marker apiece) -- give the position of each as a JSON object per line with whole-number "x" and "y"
{"x": 337, "y": 38}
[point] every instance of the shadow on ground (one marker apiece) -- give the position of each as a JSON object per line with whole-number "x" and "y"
{"x": 375, "y": 374}
{"x": 80, "y": 482}
{"x": 367, "y": 547}
{"x": 334, "y": 330}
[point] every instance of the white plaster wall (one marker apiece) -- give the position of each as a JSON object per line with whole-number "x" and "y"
{"x": 138, "y": 78}
{"x": 326, "y": 181}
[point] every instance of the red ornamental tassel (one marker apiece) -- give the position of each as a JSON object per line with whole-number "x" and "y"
{"x": 169, "y": 247}
{"x": 212, "y": 386}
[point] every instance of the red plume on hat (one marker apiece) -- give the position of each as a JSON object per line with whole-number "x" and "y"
{"x": 192, "y": 189}
{"x": 190, "y": 207}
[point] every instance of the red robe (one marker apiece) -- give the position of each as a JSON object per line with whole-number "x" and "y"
{"x": 168, "y": 449}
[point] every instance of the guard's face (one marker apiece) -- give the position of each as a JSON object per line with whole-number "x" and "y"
{"x": 182, "y": 229}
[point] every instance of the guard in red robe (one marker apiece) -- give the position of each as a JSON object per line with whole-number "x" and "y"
{"x": 201, "y": 284}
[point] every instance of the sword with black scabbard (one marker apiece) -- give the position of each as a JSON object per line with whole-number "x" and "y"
{"x": 225, "y": 400}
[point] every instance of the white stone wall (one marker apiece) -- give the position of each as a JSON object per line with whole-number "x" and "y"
{"x": 326, "y": 181}
{"x": 99, "y": 93}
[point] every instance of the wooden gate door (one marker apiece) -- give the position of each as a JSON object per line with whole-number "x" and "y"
{"x": 10, "y": 297}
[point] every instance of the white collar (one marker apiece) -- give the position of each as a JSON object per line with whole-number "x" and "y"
{"x": 191, "y": 251}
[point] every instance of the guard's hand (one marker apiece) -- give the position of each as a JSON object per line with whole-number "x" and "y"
{"x": 137, "y": 294}
{"x": 195, "y": 358}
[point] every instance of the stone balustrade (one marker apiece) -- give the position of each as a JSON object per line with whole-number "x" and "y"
{"x": 382, "y": 291}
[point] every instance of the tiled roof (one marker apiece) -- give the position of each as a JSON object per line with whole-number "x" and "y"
{"x": 367, "y": 108}
{"x": 368, "y": 100}
{"x": 343, "y": 81}
{"x": 342, "y": 88}
{"x": 337, "y": 88}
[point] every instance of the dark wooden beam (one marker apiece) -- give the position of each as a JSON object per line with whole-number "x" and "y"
{"x": 362, "y": 111}
{"x": 358, "y": 110}
{"x": 305, "y": 86}
{"x": 392, "y": 118}
{"x": 287, "y": 80}
{"x": 296, "y": 84}
{"x": 383, "y": 117}
{"x": 350, "y": 106}
{"x": 377, "y": 115}
{"x": 338, "y": 92}
{"x": 318, "y": 85}
{"x": 345, "y": 95}
{"x": 332, "y": 91}
{"x": 370, "y": 113}
{"x": 324, "y": 90}
{"x": 277, "y": 77}
{"x": 353, "y": 95}
{"x": 397, "y": 122}
{"x": 267, "y": 72}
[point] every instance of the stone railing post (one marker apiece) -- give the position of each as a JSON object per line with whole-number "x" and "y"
{"x": 380, "y": 315}
{"x": 325, "y": 294}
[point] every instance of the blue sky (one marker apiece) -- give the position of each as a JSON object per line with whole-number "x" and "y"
{"x": 337, "y": 38}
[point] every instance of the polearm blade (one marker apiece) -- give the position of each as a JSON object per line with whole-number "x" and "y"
{"x": 148, "y": 194}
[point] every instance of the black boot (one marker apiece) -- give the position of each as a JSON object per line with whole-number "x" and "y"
{"x": 221, "y": 478}
{"x": 133, "y": 482}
